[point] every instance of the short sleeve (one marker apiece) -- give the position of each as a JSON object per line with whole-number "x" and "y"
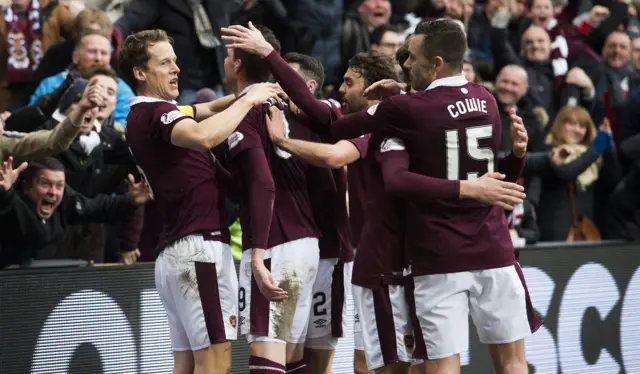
{"x": 168, "y": 115}
{"x": 246, "y": 135}
{"x": 362, "y": 144}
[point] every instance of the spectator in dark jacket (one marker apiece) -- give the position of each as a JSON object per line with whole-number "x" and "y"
{"x": 621, "y": 216}
{"x": 582, "y": 157}
{"x": 511, "y": 87}
{"x": 34, "y": 218}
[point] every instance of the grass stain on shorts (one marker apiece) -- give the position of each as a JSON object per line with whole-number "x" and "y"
{"x": 285, "y": 310}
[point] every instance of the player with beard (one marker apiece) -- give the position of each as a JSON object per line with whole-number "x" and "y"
{"x": 195, "y": 273}
{"x": 280, "y": 237}
{"x": 378, "y": 266}
{"x": 463, "y": 260}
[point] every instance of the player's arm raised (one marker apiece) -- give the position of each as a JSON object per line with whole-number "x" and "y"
{"x": 204, "y": 135}
{"x": 251, "y": 40}
{"x": 332, "y": 156}
{"x": 206, "y": 110}
{"x": 398, "y": 180}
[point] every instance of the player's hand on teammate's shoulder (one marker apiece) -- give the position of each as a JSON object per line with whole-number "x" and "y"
{"x": 384, "y": 88}
{"x": 490, "y": 189}
{"x": 519, "y": 136}
{"x": 261, "y": 92}
{"x": 265, "y": 282}
{"x": 275, "y": 125}
{"x": 140, "y": 192}
{"x": 248, "y": 39}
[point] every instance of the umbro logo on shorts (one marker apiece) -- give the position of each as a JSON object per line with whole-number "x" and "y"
{"x": 242, "y": 320}
{"x": 320, "y": 323}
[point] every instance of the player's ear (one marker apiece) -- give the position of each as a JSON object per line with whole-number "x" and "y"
{"x": 237, "y": 65}
{"x": 312, "y": 84}
{"x": 139, "y": 74}
{"x": 438, "y": 63}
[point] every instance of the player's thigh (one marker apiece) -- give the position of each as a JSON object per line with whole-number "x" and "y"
{"x": 204, "y": 290}
{"x": 498, "y": 305}
{"x": 216, "y": 358}
{"x": 327, "y": 306}
{"x": 442, "y": 310}
{"x": 165, "y": 278}
{"x": 320, "y": 361}
{"x": 293, "y": 267}
{"x": 446, "y": 365}
{"x": 385, "y": 323}
{"x": 183, "y": 362}
{"x": 509, "y": 358}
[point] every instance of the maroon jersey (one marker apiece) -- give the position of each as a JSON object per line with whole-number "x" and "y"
{"x": 183, "y": 183}
{"x": 356, "y": 188}
{"x": 451, "y": 131}
{"x": 380, "y": 259}
{"x": 257, "y": 164}
{"x": 330, "y": 210}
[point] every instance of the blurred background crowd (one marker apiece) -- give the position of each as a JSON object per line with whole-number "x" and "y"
{"x": 569, "y": 68}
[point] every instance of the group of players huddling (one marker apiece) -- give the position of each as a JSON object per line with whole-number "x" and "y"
{"x": 422, "y": 202}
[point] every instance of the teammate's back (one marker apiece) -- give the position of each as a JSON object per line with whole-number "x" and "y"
{"x": 454, "y": 235}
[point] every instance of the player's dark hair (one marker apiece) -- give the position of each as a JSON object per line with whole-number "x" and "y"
{"x": 35, "y": 167}
{"x": 444, "y": 38}
{"x": 402, "y": 55}
{"x": 310, "y": 68}
{"x": 373, "y": 66}
{"x": 378, "y": 33}
{"x": 256, "y": 69}
{"x": 103, "y": 70}
{"x": 135, "y": 52}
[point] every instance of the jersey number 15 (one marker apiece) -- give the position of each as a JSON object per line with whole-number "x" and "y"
{"x": 474, "y": 151}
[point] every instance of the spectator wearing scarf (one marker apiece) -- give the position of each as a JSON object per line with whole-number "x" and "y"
{"x": 27, "y": 29}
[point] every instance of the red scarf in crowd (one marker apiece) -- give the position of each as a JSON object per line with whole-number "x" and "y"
{"x": 25, "y": 46}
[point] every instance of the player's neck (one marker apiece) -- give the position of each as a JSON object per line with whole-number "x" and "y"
{"x": 148, "y": 93}
{"x": 240, "y": 86}
{"x": 448, "y": 75}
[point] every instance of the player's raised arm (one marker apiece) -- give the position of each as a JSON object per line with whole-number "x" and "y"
{"x": 294, "y": 85}
{"x": 398, "y": 180}
{"x": 214, "y": 130}
{"x": 206, "y": 110}
{"x": 332, "y": 156}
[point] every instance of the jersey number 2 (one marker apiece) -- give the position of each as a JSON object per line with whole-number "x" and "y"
{"x": 454, "y": 150}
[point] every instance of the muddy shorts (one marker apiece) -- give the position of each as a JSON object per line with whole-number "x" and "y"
{"x": 197, "y": 284}
{"x": 293, "y": 266}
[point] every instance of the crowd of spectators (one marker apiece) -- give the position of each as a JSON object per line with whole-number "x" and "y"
{"x": 570, "y": 69}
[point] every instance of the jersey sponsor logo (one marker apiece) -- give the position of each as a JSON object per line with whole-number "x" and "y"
{"x": 170, "y": 117}
{"x": 392, "y": 144}
{"x": 235, "y": 139}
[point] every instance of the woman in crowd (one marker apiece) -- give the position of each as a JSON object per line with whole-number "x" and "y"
{"x": 582, "y": 157}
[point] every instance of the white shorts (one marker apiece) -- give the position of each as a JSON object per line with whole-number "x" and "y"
{"x": 328, "y": 312}
{"x": 293, "y": 266}
{"x": 198, "y": 286}
{"x": 496, "y": 299}
{"x": 385, "y": 324}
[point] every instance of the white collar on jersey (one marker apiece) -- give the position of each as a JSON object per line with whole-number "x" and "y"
{"x": 148, "y": 99}
{"x": 455, "y": 81}
{"x": 245, "y": 90}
